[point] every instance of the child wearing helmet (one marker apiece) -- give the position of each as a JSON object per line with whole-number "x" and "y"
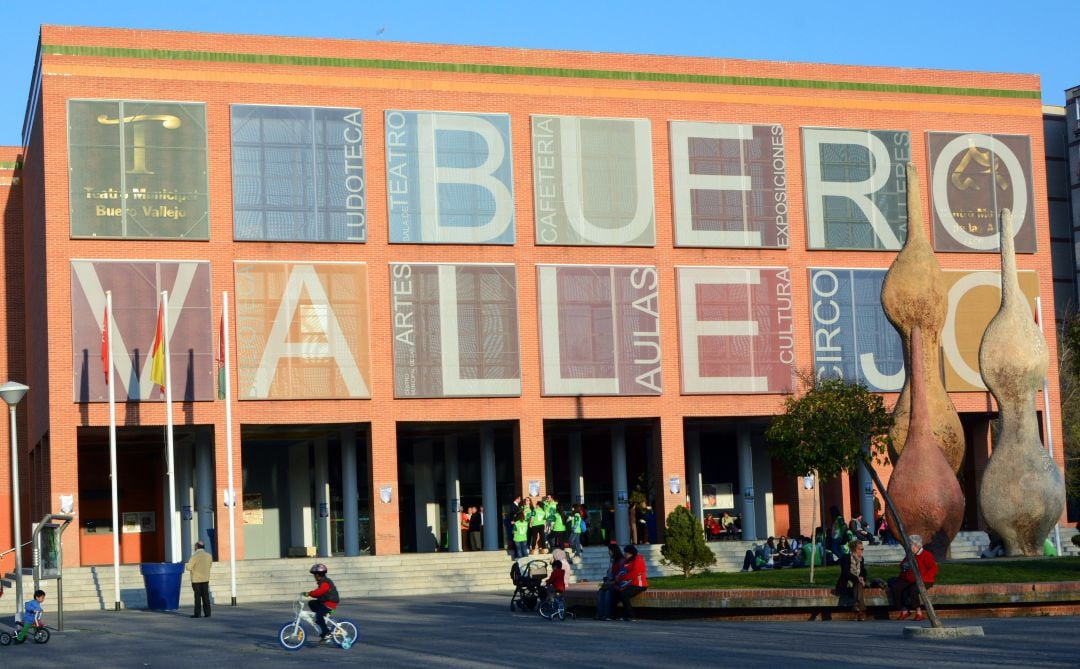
{"x": 324, "y": 599}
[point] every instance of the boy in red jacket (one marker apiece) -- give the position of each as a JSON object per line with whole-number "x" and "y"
{"x": 324, "y": 599}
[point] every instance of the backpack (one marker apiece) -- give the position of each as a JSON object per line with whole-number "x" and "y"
{"x": 584, "y": 524}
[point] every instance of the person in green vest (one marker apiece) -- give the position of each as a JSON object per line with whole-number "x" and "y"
{"x": 521, "y": 535}
{"x": 548, "y": 506}
{"x": 575, "y": 529}
{"x": 558, "y": 527}
{"x": 819, "y": 558}
{"x": 537, "y": 518}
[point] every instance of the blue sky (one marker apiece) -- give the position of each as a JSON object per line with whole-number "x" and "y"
{"x": 992, "y": 35}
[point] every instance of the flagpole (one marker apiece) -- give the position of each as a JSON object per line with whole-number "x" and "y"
{"x": 110, "y": 381}
{"x": 229, "y": 443}
{"x": 174, "y": 526}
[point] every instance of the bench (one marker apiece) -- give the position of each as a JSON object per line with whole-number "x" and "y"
{"x": 818, "y": 603}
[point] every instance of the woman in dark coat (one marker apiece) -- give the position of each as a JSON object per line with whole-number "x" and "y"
{"x": 853, "y": 578}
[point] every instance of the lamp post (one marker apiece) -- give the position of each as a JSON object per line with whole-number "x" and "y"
{"x": 13, "y": 393}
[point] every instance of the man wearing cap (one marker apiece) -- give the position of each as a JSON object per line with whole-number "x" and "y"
{"x": 199, "y": 566}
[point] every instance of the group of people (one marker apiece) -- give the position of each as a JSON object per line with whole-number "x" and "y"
{"x": 724, "y": 527}
{"x": 542, "y": 524}
{"x": 797, "y": 551}
{"x": 624, "y": 580}
{"x": 902, "y": 589}
{"x": 472, "y": 528}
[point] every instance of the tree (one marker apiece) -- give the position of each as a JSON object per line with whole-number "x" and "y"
{"x": 1069, "y": 378}
{"x": 837, "y": 426}
{"x": 684, "y": 543}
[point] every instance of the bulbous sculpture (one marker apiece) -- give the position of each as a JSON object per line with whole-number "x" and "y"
{"x": 923, "y": 486}
{"x": 1022, "y": 493}
{"x": 913, "y": 294}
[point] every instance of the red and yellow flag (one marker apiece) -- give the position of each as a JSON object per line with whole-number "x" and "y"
{"x": 221, "y": 355}
{"x": 157, "y": 352}
{"x": 105, "y": 361}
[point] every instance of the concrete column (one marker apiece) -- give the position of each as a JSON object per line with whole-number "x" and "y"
{"x": 763, "y": 493}
{"x": 980, "y": 453}
{"x": 183, "y": 496}
{"x": 577, "y": 477}
{"x": 693, "y": 473}
{"x": 322, "y": 497}
{"x": 453, "y": 494}
{"x": 746, "y": 482}
{"x": 382, "y": 450}
{"x": 204, "y": 488}
{"x": 349, "y": 495}
{"x": 492, "y": 517}
{"x": 618, "y": 478}
{"x": 529, "y": 453}
{"x": 300, "y": 526}
{"x": 669, "y": 455}
{"x": 426, "y": 517}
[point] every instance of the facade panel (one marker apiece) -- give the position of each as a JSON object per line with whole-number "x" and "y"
{"x": 972, "y": 178}
{"x": 736, "y": 332}
{"x": 298, "y": 174}
{"x": 851, "y": 336}
{"x": 455, "y": 330}
{"x": 974, "y": 299}
{"x": 856, "y": 188}
{"x": 729, "y": 185}
{"x": 593, "y": 181}
{"x": 599, "y": 330}
{"x": 138, "y": 169}
{"x": 136, "y": 287}
{"x": 449, "y": 178}
{"x": 302, "y": 331}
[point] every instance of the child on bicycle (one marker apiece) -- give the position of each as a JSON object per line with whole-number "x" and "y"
{"x": 325, "y": 599}
{"x": 32, "y": 614}
{"x": 556, "y": 581}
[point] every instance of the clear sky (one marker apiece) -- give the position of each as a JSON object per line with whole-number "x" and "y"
{"x": 1036, "y": 37}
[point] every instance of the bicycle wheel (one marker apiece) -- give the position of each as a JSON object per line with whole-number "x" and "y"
{"x": 292, "y": 636}
{"x": 548, "y": 608}
{"x": 345, "y": 634}
{"x": 5, "y": 639}
{"x": 41, "y": 634}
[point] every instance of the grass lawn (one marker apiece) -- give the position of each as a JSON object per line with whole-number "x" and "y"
{"x": 999, "y": 570}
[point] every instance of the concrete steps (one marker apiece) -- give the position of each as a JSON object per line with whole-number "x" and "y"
{"x": 91, "y": 588}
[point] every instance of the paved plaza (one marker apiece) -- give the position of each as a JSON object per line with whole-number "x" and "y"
{"x": 478, "y": 630}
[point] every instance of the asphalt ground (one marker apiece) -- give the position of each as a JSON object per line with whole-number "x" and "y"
{"x": 478, "y": 630}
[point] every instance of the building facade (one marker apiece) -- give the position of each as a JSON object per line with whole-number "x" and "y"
{"x": 446, "y": 276}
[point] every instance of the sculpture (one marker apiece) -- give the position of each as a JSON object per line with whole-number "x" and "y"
{"x": 923, "y": 486}
{"x": 1022, "y": 493}
{"x": 913, "y": 294}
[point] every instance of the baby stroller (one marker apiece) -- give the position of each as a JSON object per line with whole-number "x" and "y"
{"x": 528, "y": 591}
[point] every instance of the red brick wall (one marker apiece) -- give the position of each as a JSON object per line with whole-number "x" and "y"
{"x": 220, "y": 84}
{"x": 13, "y": 363}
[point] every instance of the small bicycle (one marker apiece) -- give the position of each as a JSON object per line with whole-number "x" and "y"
{"x": 555, "y": 607}
{"x": 292, "y": 635}
{"x": 39, "y": 633}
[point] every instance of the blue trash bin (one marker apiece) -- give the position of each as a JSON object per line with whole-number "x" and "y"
{"x": 162, "y": 580}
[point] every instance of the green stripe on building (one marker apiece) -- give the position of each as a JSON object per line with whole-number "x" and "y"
{"x": 516, "y": 70}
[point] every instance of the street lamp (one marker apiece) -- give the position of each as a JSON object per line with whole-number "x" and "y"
{"x": 13, "y": 393}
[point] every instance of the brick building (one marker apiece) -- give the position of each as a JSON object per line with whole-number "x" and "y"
{"x": 458, "y": 274}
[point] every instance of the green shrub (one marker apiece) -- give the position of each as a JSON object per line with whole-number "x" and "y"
{"x": 684, "y": 543}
